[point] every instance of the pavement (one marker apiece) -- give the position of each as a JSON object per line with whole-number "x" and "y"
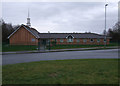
{"x": 32, "y": 57}
{"x": 56, "y": 50}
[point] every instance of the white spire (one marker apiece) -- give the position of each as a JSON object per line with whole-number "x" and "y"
{"x": 28, "y": 19}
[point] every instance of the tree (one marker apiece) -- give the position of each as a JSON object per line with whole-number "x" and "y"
{"x": 7, "y": 29}
{"x": 114, "y": 32}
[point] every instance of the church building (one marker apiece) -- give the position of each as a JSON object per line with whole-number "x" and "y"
{"x": 26, "y": 35}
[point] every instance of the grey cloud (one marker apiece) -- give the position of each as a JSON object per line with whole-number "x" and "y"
{"x": 61, "y": 17}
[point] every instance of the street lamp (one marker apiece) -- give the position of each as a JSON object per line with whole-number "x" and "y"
{"x": 49, "y": 39}
{"x": 105, "y": 27}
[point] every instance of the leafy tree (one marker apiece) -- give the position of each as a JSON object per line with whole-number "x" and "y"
{"x": 7, "y": 29}
{"x": 114, "y": 32}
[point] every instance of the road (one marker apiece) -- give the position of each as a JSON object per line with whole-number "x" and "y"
{"x": 21, "y": 58}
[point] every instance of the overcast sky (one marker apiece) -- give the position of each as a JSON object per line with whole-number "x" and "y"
{"x": 62, "y": 16}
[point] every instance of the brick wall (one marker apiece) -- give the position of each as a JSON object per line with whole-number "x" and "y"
{"x": 88, "y": 41}
{"x": 24, "y": 37}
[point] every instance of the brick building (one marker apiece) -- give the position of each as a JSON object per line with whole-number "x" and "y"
{"x": 25, "y": 35}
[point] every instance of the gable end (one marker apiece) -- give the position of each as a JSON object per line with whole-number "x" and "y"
{"x": 19, "y": 28}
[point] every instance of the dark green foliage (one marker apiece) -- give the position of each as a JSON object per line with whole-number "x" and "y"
{"x": 53, "y": 43}
{"x": 80, "y": 46}
{"x": 7, "y": 29}
{"x": 114, "y": 33}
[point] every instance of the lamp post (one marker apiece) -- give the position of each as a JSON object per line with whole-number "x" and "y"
{"x": 105, "y": 27}
{"x": 49, "y": 39}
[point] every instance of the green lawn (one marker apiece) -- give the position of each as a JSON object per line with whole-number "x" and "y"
{"x": 0, "y": 48}
{"x": 6, "y": 48}
{"x": 81, "y": 71}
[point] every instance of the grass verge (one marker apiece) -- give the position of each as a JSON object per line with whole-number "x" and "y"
{"x": 6, "y": 48}
{"x": 80, "y": 71}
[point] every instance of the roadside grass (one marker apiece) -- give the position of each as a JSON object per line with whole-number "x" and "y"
{"x": 0, "y": 48}
{"x": 77, "y": 71}
{"x": 6, "y": 48}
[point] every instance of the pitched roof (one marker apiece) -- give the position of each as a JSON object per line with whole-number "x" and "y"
{"x": 59, "y": 35}
{"x": 75, "y": 35}
{"x": 31, "y": 30}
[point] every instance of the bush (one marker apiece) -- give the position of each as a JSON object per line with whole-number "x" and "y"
{"x": 53, "y": 43}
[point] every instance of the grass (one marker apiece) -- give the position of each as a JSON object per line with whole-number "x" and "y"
{"x": 6, "y": 48}
{"x": 81, "y": 71}
{"x": 0, "y": 48}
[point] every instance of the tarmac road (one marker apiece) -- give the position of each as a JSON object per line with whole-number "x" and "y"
{"x": 31, "y": 57}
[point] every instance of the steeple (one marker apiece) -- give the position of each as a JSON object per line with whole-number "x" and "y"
{"x": 28, "y": 20}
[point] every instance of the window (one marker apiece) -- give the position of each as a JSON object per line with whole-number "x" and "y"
{"x": 33, "y": 39}
{"x": 77, "y": 40}
{"x": 84, "y": 40}
{"x": 98, "y": 40}
{"x": 61, "y": 40}
{"x": 91, "y": 40}
{"x": 70, "y": 39}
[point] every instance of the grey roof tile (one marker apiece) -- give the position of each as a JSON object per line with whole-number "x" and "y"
{"x": 75, "y": 35}
{"x": 64, "y": 35}
{"x": 32, "y": 30}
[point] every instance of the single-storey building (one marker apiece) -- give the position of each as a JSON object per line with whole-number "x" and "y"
{"x": 25, "y": 35}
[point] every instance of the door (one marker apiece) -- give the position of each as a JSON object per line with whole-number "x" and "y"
{"x": 42, "y": 44}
